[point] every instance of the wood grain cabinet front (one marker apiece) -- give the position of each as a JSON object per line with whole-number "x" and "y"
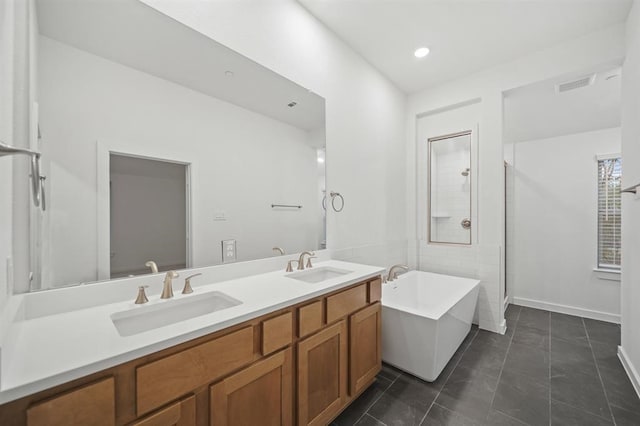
{"x": 258, "y": 395}
{"x": 182, "y": 413}
{"x": 93, "y": 404}
{"x": 365, "y": 348}
{"x": 322, "y": 375}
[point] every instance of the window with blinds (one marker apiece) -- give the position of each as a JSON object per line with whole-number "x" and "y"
{"x": 609, "y": 212}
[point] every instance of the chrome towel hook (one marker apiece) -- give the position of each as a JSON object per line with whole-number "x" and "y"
{"x": 333, "y": 196}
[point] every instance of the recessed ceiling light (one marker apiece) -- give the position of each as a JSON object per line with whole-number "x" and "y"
{"x": 421, "y": 52}
{"x": 292, "y": 104}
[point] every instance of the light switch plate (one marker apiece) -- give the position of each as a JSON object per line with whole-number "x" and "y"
{"x": 228, "y": 251}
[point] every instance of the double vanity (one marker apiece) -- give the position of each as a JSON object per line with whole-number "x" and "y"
{"x": 278, "y": 348}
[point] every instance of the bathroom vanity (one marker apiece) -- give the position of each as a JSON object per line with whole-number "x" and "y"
{"x": 293, "y": 352}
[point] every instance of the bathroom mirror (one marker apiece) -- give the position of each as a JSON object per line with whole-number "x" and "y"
{"x": 158, "y": 144}
{"x": 449, "y": 201}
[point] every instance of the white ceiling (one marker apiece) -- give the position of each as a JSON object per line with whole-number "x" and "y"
{"x": 464, "y": 36}
{"x": 537, "y": 111}
{"x": 133, "y": 34}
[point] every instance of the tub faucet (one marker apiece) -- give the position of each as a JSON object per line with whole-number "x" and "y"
{"x": 392, "y": 275}
{"x": 167, "y": 290}
{"x": 301, "y": 259}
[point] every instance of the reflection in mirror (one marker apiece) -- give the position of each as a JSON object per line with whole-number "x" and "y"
{"x": 160, "y": 144}
{"x": 450, "y": 189}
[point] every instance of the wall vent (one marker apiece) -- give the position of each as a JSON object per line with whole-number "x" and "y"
{"x": 575, "y": 84}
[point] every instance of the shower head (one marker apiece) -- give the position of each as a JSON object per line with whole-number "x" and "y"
{"x": 466, "y": 171}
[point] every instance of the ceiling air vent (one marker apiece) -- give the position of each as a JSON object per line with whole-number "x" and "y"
{"x": 575, "y": 84}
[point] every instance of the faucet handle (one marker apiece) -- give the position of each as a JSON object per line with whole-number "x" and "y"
{"x": 187, "y": 284}
{"x": 309, "y": 265}
{"x": 289, "y": 267}
{"x": 142, "y": 297}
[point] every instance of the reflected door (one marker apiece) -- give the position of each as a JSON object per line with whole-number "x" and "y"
{"x": 148, "y": 215}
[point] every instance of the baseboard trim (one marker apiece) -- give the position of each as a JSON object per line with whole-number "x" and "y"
{"x": 569, "y": 310}
{"x": 502, "y": 328}
{"x": 630, "y": 369}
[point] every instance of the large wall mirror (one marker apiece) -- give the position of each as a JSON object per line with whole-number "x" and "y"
{"x": 450, "y": 216}
{"x": 159, "y": 143}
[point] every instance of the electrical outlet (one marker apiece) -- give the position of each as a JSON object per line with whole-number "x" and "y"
{"x": 228, "y": 251}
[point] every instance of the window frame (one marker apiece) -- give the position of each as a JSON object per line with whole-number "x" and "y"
{"x": 600, "y": 264}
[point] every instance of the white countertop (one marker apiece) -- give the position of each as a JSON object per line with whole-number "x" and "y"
{"x": 47, "y": 351}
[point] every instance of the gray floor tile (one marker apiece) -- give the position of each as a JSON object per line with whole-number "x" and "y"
{"x": 441, "y": 416}
{"x": 581, "y": 391}
{"x": 603, "y": 332}
{"x": 531, "y": 336}
{"x": 624, "y": 417}
{"x": 496, "y": 418}
{"x": 393, "y": 411}
{"x": 569, "y": 328}
{"x": 512, "y": 312}
{"x": 484, "y": 358}
{"x": 523, "y": 398}
{"x": 565, "y": 415}
{"x": 389, "y": 372}
{"x": 353, "y": 412}
{"x": 468, "y": 392}
{"x": 534, "y": 318}
{"x": 568, "y": 358}
{"x": 620, "y": 391}
{"x": 413, "y": 391}
{"x": 367, "y": 420}
{"x": 487, "y": 338}
{"x": 606, "y": 355}
{"x": 532, "y": 362}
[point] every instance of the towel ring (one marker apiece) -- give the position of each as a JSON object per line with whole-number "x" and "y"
{"x": 335, "y": 195}
{"x": 324, "y": 202}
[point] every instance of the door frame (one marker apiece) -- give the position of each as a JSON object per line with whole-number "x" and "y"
{"x": 104, "y": 149}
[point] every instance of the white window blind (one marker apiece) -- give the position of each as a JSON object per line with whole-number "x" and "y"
{"x": 609, "y": 212}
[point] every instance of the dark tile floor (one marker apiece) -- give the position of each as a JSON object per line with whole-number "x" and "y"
{"x": 548, "y": 369}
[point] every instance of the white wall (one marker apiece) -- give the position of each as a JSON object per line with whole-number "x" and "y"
{"x": 630, "y": 203}
{"x": 555, "y": 218}
{"x": 587, "y": 52}
{"x": 241, "y": 162}
{"x": 6, "y": 135}
{"x": 364, "y": 111}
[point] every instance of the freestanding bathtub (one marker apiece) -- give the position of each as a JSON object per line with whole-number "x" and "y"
{"x": 425, "y": 318}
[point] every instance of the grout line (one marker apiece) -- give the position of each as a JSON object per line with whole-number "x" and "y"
{"x": 366, "y": 411}
{"x": 447, "y": 378}
{"x": 504, "y": 361}
{"x": 595, "y": 361}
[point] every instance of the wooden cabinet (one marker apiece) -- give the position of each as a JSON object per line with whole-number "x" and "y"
{"x": 322, "y": 375}
{"x": 93, "y": 404}
{"x": 182, "y": 413}
{"x": 365, "y": 348}
{"x": 169, "y": 378}
{"x": 300, "y": 365}
{"x": 258, "y": 395}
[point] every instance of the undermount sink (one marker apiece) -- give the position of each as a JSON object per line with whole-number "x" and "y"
{"x": 147, "y": 318}
{"x": 318, "y": 275}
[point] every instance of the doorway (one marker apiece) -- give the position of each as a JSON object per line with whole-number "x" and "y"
{"x": 148, "y": 215}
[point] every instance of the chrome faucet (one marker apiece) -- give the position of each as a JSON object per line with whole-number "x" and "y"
{"x": 154, "y": 267}
{"x": 301, "y": 259}
{"x": 279, "y": 250}
{"x": 167, "y": 290}
{"x": 392, "y": 275}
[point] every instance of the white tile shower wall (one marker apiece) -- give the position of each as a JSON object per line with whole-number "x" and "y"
{"x": 450, "y": 197}
{"x": 477, "y": 261}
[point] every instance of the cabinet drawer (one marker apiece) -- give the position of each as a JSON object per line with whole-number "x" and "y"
{"x": 169, "y": 378}
{"x": 348, "y": 301}
{"x": 93, "y": 404}
{"x": 375, "y": 290}
{"x": 277, "y": 333}
{"x": 309, "y": 318}
{"x": 182, "y": 413}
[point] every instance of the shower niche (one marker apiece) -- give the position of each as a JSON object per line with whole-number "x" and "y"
{"x": 449, "y": 199}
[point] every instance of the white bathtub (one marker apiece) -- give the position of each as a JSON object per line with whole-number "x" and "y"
{"x": 425, "y": 318}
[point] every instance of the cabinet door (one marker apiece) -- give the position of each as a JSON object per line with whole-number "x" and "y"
{"x": 364, "y": 347}
{"x": 182, "y": 413}
{"x": 322, "y": 375}
{"x": 258, "y": 395}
